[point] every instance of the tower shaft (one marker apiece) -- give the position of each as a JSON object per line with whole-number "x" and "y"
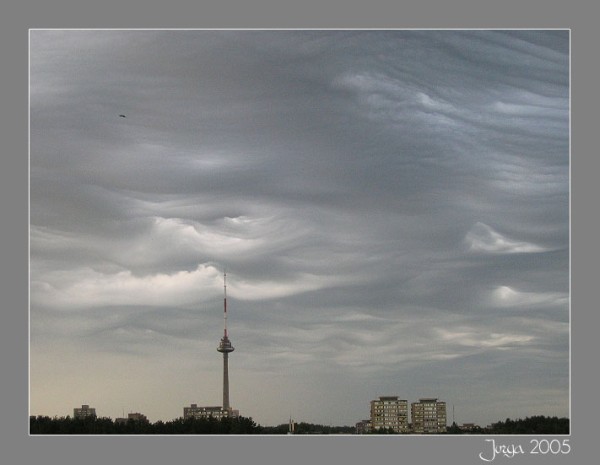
{"x": 225, "y": 381}
{"x": 225, "y": 347}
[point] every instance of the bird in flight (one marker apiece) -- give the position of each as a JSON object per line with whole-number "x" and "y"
{"x": 122, "y": 116}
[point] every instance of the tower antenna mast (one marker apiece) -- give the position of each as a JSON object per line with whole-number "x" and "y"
{"x": 225, "y": 302}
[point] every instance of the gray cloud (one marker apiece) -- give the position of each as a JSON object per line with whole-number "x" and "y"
{"x": 392, "y": 209}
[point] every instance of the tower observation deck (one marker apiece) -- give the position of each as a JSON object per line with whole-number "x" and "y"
{"x": 225, "y": 348}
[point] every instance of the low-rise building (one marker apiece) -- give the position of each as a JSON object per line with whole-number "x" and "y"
{"x": 133, "y": 416}
{"x": 218, "y": 412}
{"x": 84, "y": 412}
{"x": 470, "y": 428}
{"x": 363, "y": 427}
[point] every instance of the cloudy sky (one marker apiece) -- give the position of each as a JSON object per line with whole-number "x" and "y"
{"x": 391, "y": 207}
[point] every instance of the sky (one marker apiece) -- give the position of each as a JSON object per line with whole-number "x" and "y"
{"x": 391, "y": 208}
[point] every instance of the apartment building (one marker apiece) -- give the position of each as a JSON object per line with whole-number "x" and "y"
{"x": 389, "y": 412}
{"x": 428, "y": 416}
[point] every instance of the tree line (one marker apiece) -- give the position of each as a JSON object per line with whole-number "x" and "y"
{"x": 529, "y": 425}
{"x": 532, "y": 425}
{"x": 308, "y": 428}
{"x": 180, "y": 426}
{"x": 246, "y": 425}
{"x": 103, "y": 425}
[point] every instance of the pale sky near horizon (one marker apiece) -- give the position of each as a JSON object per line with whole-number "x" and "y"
{"x": 392, "y": 209}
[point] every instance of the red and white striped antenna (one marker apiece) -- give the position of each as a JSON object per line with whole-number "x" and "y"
{"x": 225, "y": 302}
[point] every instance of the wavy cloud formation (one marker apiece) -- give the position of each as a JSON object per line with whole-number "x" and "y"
{"x": 391, "y": 207}
{"x": 482, "y": 238}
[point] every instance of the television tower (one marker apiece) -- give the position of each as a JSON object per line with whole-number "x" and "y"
{"x": 225, "y": 347}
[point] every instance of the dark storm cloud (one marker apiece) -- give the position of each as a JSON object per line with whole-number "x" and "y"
{"x": 384, "y": 202}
